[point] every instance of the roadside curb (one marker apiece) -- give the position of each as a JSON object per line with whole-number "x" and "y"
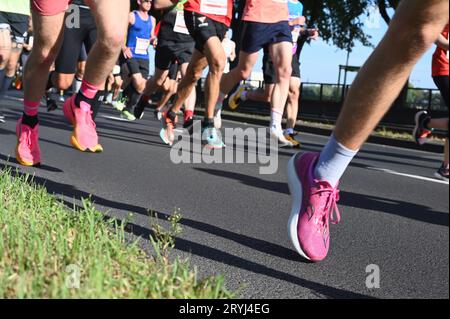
{"x": 433, "y": 148}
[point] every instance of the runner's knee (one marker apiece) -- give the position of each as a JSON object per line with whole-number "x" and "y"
{"x": 110, "y": 43}
{"x": 63, "y": 82}
{"x": 217, "y": 66}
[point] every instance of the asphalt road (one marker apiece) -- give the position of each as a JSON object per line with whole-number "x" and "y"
{"x": 394, "y": 215}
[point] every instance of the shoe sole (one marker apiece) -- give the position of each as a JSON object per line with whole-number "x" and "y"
{"x": 416, "y": 128}
{"x": 440, "y": 177}
{"x": 162, "y": 136}
{"x": 77, "y": 146}
{"x": 296, "y": 189}
{"x": 22, "y": 162}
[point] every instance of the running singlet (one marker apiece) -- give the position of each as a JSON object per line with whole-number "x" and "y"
{"x": 173, "y": 28}
{"x": 139, "y": 35}
{"x": 266, "y": 11}
{"x": 217, "y": 10}
{"x": 295, "y": 11}
{"x": 440, "y": 59}
{"x": 15, "y": 6}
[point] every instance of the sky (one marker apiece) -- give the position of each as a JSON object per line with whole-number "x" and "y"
{"x": 320, "y": 61}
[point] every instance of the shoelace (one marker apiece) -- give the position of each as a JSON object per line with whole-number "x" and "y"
{"x": 331, "y": 210}
{"x": 27, "y": 138}
{"x": 89, "y": 121}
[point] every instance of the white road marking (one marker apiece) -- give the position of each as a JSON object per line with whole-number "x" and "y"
{"x": 115, "y": 118}
{"x": 388, "y": 171}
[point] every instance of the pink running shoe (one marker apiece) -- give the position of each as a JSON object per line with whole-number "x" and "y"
{"x": 313, "y": 205}
{"x": 84, "y": 137}
{"x": 28, "y": 152}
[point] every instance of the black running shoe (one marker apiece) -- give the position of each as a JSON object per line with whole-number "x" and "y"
{"x": 420, "y": 132}
{"x": 139, "y": 109}
{"x": 442, "y": 173}
{"x": 51, "y": 105}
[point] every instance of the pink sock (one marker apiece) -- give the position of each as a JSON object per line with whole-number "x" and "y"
{"x": 88, "y": 90}
{"x": 31, "y": 108}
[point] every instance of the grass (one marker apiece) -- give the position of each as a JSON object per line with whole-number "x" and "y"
{"x": 50, "y": 251}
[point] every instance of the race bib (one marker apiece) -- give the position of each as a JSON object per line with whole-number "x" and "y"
{"x": 180, "y": 24}
{"x": 142, "y": 46}
{"x": 216, "y": 7}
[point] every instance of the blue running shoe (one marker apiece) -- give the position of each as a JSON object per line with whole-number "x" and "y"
{"x": 212, "y": 139}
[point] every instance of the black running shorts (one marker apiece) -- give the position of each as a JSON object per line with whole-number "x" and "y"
{"x": 17, "y": 24}
{"x": 202, "y": 28}
{"x": 74, "y": 38}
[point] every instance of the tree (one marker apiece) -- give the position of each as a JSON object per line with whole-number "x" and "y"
{"x": 340, "y": 22}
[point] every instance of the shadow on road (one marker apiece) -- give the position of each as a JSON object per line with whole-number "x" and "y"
{"x": 389, "y": 206}
{"x": 199, "y": 249}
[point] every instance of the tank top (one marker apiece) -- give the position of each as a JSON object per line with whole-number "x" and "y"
{"x": 440, "y": 59}
{"x": 266, "y": 11}
{"x": 139, "y": 35}
{"x": 217, "y": 10}
{"x": 173, "y": 28}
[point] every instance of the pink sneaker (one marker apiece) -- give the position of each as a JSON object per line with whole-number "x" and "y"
{"x": 314, "y": 203}
{"x": 28, "y": 152}
{"x": 84, "y": 137}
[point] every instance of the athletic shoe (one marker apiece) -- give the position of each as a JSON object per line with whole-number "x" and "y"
{"x": 109, "y": 99}
{"x": 442, "y": 173}
{"x": 158, "y": 114}
{"x": 421, "y": 133}
{"x": 126, "y": 114}
{"x": 291, "y": 138}
{"x": 51, "y": 105}
{"x": 278, "y": 134}
{"x": 218, "y": 119}
{"x": 139, "y": 109}
{"x": 211, "y": 138}
{"x": 167, "y": 133}
{"x": 119, "y": 105}
{"x": 235, "y": 99}
{"x": 84, "y": 137}
{"x": 28, "y": 152}
{"x": 313, "y": 205}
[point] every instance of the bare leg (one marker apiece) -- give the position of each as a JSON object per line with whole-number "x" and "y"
{"x": 242, "y": 72}
{"x": 261, "y": 95}
{"x": 193, "y": 73}
{"x": 192, "y": 98}
{"x": 48, "y": 35}
{"x": 170, "y": 88}
{"x": 216, "y": 57}
{"x": 14, "y": 57}
{"x": 157, "y": 82}
{"x": 293, "y": 102}
{"x": 281, "y": 54}
{"x": 111, "y": 17}
{"x": 5, "y": 47}
{"x": 440, "y": 124}
{"x": 384, "y": 74}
